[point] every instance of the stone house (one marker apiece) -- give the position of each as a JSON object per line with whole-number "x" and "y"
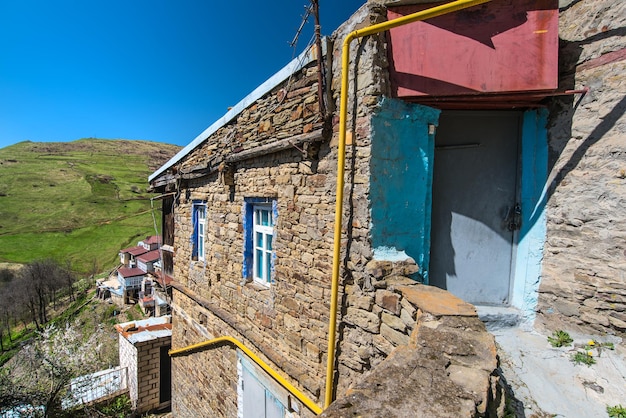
{"x": 484, "y": 155}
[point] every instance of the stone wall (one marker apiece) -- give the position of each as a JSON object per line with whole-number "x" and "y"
{"x": 209, "y": 390}
{"x": 583, "y": 282}
{"x": 447, "y": 368}
{"x": 287, "y": 322}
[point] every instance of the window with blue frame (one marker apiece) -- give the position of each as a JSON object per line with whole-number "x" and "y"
{"x": 199, "y": 230}
{"x": 259, "y": 220}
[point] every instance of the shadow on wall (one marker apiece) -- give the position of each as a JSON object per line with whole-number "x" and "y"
{"x": 564, "y": 108}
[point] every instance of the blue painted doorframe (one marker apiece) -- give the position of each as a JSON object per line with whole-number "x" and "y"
{"x": 403, "y": 144}
{"x": 532, "y": 235}
{"x": 401, "y": 169}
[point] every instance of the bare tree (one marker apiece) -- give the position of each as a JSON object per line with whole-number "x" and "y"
{"x": 70, "y": 279}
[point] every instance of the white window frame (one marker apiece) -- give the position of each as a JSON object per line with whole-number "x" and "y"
{"x": 262, "y": 248}
{"x": 268, "y": 393}
{"x": 200, "y": 229}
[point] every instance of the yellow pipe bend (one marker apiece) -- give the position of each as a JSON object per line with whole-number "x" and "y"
{"x": 341, "y": 149}
{"x": 282, "y": 381}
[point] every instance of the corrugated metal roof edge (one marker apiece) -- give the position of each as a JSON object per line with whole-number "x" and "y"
{"x": 306, "y": 57}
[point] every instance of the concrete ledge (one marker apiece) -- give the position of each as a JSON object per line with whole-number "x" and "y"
{"x": 496, "y": 317}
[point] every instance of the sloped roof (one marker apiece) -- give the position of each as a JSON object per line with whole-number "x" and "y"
{"x": 306, "y": 57}
{"x": 150, "y": 256}
{"x": 130, "y": 272}
{"x": 136, "y": 250}
{"x": 152, "y": 239}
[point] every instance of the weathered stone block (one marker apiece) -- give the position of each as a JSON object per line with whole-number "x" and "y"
{"x": 379, "y": 269}
{"x": 388, "y": 300}
{"x": 393, "y": 322}
{"x": 368, "y": 321}
{"x": 395, "y": 337}
{"x": 361, "y": 301}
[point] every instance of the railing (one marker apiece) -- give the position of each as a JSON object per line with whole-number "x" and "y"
{"x": 131, "y": 283}
{"x": 206, "y": 345}
{"x": 99, "y": 386}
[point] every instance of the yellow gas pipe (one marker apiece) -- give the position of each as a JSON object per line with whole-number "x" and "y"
{"x": 341, "y": 148}
{"x": 282, "y": 381}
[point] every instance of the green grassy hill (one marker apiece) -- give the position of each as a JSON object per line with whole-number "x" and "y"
{"x": 80, "y": 201}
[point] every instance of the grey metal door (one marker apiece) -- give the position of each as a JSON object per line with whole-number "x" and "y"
{"x": 474, "y": 204}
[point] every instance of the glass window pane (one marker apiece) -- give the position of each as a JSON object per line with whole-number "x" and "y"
{"x": 268, "y": 267}
{"x": 259, "y": 240}
{"x": 264, "y": 218}
{"x": 259, "y": 263}
{"x": 269, "y": 242}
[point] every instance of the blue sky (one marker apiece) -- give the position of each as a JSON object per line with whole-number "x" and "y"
{"x": 159, "y": 70}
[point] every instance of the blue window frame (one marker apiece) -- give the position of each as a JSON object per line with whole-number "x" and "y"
{"x": 259, "y": 220}
{"x": 199, "y": 230}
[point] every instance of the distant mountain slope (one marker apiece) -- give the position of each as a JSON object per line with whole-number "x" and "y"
{"x": 79, "y": 201}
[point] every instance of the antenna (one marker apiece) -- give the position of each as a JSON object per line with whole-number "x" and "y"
{"x": 305, "y": 18}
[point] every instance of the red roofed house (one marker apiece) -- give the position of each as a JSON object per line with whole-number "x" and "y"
{"x": 146, "y": 261}
{"x": 130, "y": 280}
{"x": 152, "y": 242}
{"x": 128, "y": 255}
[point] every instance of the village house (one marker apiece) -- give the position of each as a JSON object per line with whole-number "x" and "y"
{"x": 475, "y": 158}
{"x": 134, "y": 280}
{"x": 128, "y": 256}
{"x": 143, "y": 347}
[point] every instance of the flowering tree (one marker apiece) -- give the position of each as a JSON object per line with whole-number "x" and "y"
{"x": 38, "y": 377}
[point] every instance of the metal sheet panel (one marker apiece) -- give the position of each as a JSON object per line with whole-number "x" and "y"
{"x": 497, "y": 47}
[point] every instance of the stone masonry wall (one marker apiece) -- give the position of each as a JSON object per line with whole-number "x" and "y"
{"x": 446, "y": 368}
{"x": 206, "y": 381}
{"x": 290, "y": 316}
{"x": 288, "y": 320}
{"x": 584, "y": 280}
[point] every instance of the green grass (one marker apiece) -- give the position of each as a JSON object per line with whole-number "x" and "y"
{"x": 80, "y": 201}
{"x": 134, "y": 313}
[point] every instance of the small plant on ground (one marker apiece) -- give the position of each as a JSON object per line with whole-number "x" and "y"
{"x": 617, "y": 411}
{"x": 119, "y": 407}
{"x": 599, "y": 346}
{"x": 585, "y": 357}
{"x": 560, "y": 338}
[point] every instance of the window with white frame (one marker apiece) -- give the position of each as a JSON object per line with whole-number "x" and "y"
{"x": 263, "y": 234}
{"x": 199, "y": 230}
{"x": 259, "y": 396}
